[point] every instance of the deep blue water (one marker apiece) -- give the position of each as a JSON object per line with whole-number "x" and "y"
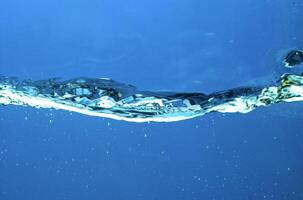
{"x": 175, "y": 45}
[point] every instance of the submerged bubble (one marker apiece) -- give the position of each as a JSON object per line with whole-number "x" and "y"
{"x": 293, "y": 58}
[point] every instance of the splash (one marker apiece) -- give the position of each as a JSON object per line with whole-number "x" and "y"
{"x": 108, "y": 98}
{"x": 111, "y": 99}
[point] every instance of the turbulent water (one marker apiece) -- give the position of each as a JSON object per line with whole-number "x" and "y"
{"x": 108, "y": 98}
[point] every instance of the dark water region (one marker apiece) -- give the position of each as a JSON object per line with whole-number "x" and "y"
{"x": 193, "y": 45}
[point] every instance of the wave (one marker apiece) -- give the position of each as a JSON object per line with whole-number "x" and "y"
{"x": 111, "y": 99}
{"x": 108, "y": 98}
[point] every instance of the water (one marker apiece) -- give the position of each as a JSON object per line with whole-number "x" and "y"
{"x": 155, "y": 45}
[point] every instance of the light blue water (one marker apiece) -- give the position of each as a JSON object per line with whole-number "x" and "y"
{"x": 156, "y": 45}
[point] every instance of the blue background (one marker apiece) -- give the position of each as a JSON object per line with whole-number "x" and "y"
{"x": 180, "y": 45}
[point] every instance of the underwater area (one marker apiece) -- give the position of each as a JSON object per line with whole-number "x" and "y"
{"x": 172, "y": 65}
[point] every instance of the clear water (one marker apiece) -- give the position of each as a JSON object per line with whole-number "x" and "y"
{"x": 177, "y": 45}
